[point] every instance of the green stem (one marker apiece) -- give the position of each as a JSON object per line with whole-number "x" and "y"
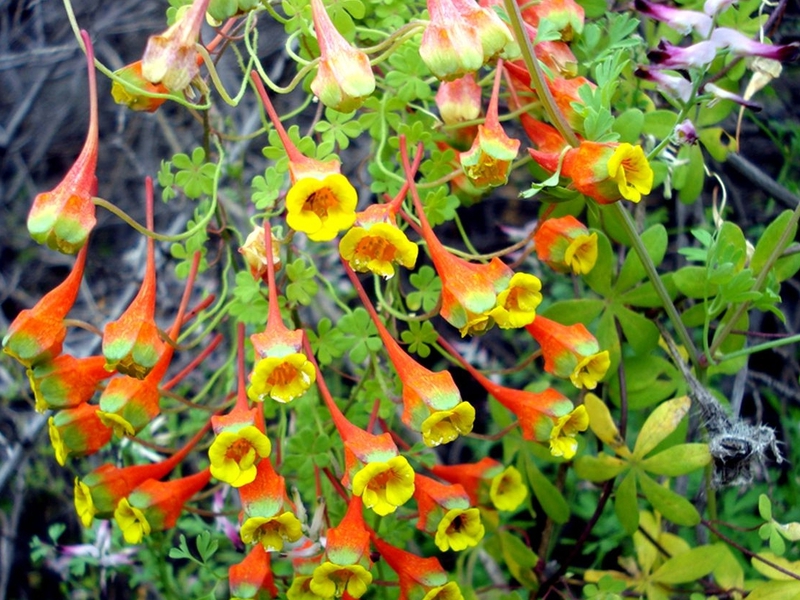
{"x": 786, "y": 236}
{"x": 555, "y": 115}
{"x": 658, "y": 285}
{"x": 765, "y": 346}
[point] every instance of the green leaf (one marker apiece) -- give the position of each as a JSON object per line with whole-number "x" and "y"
{"x": 418, "y": 336}
{"x": 765, "y": 507}
{"x": 626, "y": 506}
{"x": 429, "y": 288}
{"x": 672, "y": 506}
{"x": 776, "y": 590}
{"x": 519, "y": 559}
{"x": 641, "y": 332}
{"x": 645, "y": 296}
{"x": 692, "y": 282}
{"x": 548, "y": 495}
{"x": 787, "y": 266}
{"x": 768, "y": 241}
{"x": 599, "y": 278}
{"x": 599, "y": 468}
{"x": 690, "y": 177}
{"x": 678, "y": 460}
{"x": 661, "y": 422}
{"x": 569, "y": 312}
{"x": 689, "y": 566}
{"x": 328, "y": 342}
{"x": 629, "y": 125}
{"x": 302, "y": 287}
{"x": 717, "y": 142}
{"x": 776, "y": 543}
{"x": 660, "y": 123}
{"x": 632, "y": 271}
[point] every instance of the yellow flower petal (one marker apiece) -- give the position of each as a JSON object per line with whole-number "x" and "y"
{"x": 443, "y": 426}
{"x": 581, "y": 254}
{"x": 378, "y": 249}
{"x": 84, "y": 505}
{"x": 507, "y": 491}
{"x": 281, "y": 378}
{"x": 321, "y": 208}
{"x": 448, "y": 591}
{"x": 628, "y": 166}
{"x": 132, "y": 521}
{"x": 516, "y": 306}
{"x": 272, "y": 532}
{"x": 459, "y": 529}
{"x": 590, "y": 370}
{"x": 332, "y": 580}
{"x": 234, "y": 455}
{"x": 383, "y": 486}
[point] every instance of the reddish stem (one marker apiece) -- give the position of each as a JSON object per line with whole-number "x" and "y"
{"x": 194, "y": 364}
{"x": 294, "y": 154}
{"x": 492, "y": 119}
{"x": 397, "y": 201}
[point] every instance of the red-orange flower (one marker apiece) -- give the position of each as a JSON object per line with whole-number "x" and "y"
{"x": 132, "y": 344}
{"x": 37, "y": 334}
{"x": 486, "y": 482}
{"x": 566, "y": 16}
{"x": 445, "y": 513}
{"x": 252, "y": 578}
{"x": 570, "y": 351}
{"x": 125, "y": 92}
{"x": 459, "y": 100}
{"x": 63, "y": 217}
{"x": 488, "y": 162}
{"x": 565, "y": 244}
{"x": 156, "y": 505}
{"x": 77, "y": 431}
{"x": 66, "y": 381}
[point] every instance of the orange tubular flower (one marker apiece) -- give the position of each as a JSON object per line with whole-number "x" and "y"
{"x": 132, "y": 344}
{"x": 156, "y": 505}
{"x": 321, "y": 201}
{"x": 419, "y": 577}
{"x": 344, "y": 79}
{"x": 570, "y": 351}
{"x": 37, "y": 334}
{"x": 126, "y": 93}
{"x": 536, "y": 412}
{"x": 66, "y": 381}
{"x": 97, "y": 494}
{"x": 252, "y": 578}
{"x": 566, "y": 15}
{"x": 63, "y": 217}
{"x": 444, "y": 512}
{"x": 432, "y": 403}
{"x": 471, "y": 292}
{"x": 170, "y": 58}
{"x": 374, "y": 469}
{"x": 451, "y": 45}
{"x": 565, "y": 244}
{"x": 282, "y": 372}
{"x": 345, "y": 568}
{"x": 487, "y": 483}
{"x": 488, "y": 162}
{"x": 78, "y": 432}
{"x": 459, "y": 100}
{"x": 240, "y": 441}
{"x": 268, "y": 517}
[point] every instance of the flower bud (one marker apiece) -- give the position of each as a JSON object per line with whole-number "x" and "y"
{"x": 459, "y": 100}
{"x": 344, "y": 78}
{"x": 254, "y": 251}
{"x": 451, "y": 45}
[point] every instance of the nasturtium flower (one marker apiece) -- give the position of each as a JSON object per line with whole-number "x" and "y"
{"x": 344, "y": 78}
{"x": 321, "y": 201}
{"x": 570, "y": 351}
{"x": 128, "y": 405}
{"x": 444, "y": 426}
{"x": 432, "y": 404}
{"x": 566, "y": 16}
{"x": 565, "y": 244}
{"x": 252, "y": 579}
{"x": 417, "y": 576}
{"x": 132, "y": 522}
{"x": 516, "y": 305}
{"x": 234, "y": 455}
{"x": 628, "y": 166}
{"x": 272, "y": 532}
{"x": 459, "y": 529}
{"x": 488, "y": 161}
{"x": 254, "y": 251}
{"x": 536, "y": 411}
{"x": 156, "y": 505}
{"x": 377, "y": 248}
{"x": 281, "y": 378}
{"x": 63, "y": 217}
{"x": 265, "y": 496}
{"x": 562, "y": 437}
{"x": 507, "y": 490}
{"x": 451, "y": 46}
{"x": 301, "y": 589}
{"x": 486, "y": 482}
{"x": 495, "y": 36}
{"x": 99, "y": 492}
{"x": 124, "y": 93}
{"x": 384, "y": 486}
{"x": 170, "y": 58}
{"x": 77, "y": 431}
{"x": 331, "y": 580}
{"x": 37, "y": 334}
{"x": 66, "y": 381}
{"x": 132, "y": 344}
{"x": 459, "y": 100}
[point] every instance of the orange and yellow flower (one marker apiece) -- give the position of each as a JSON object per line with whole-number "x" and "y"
{"x": 562, "y": 437}
{"x": 252, "y": 577}
{"x": 66, "y": 381}
{"x": 125, "y": 91}
{"x": 570, "y": 352}
{"x": 321, "y": 201}
{"x": 77, "y": 432}
{"x": 445, "y": 512}
{"x": 565, "y": 244}
{"x": 487, "y": 482}
{"x": 63, "y": 217}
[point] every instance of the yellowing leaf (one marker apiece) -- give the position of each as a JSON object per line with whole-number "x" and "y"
{"x": 672, "y": 506}
{"x": 772, "y": 573}
{"x": 602, "y": 424}
{"x": 776, "y": 590}
{"x": 678, "y": 460}
{"x": 599, "y": 468}
{"x": 690, "y": 566}
{"x": 626, "y": 506}
{"x": 661, "y": 422}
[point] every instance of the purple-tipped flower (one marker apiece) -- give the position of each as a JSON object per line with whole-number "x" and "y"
{"x": 741, "y": 45}
{"x": 675, "y": 86}
{"x": 686, "y": 133}
{"x": 667, "y": 56}
{"x": 724, "y": 94}
{"x": 682, "y": 21}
